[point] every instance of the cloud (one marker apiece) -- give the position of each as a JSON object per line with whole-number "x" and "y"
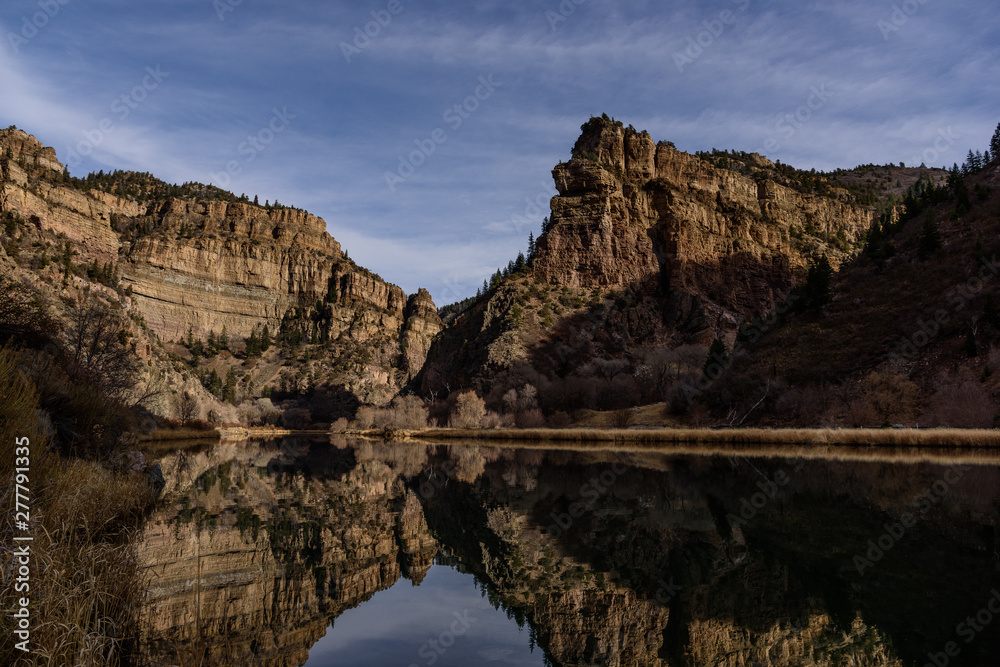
{"x": 458, "y": 216}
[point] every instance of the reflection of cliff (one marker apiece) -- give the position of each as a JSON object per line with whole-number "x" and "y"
{"x": 611, "y": 561}
{"x": 653, "y": 573}
{"x": 258, "y": 550}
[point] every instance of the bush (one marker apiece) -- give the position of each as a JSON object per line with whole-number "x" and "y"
{"x": 532, "y": 418}
{"x": 968, "y": 405}
{"x": 469, "y": 411}
{"x": 623, "y": 418}
{"x": 296, "y": 418}
{"x": 405, "y": 412}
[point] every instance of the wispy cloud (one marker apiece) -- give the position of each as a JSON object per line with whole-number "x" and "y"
{"x": 457, "y": 218}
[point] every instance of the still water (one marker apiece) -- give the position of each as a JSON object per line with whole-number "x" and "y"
{"x": 350, "y": 552}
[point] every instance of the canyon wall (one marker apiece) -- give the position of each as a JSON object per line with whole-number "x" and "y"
{"x": 630, "y": 211}
{"x": 205, "y": 262}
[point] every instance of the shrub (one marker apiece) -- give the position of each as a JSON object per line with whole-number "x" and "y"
{"x": 532, "y": 418}
{"x": 968, "y": 405}
{"x": 469, "y": 411}
{"x": 623, "y": 418}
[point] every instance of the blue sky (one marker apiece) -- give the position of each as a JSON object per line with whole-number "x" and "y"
{"x": 179, "y": 87}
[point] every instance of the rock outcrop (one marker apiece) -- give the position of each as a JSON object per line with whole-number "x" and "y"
{"x": 195, "y": 259}
{"x": 631, "y": 212}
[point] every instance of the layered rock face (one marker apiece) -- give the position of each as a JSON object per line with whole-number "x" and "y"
{"x": 203, "y": 265}
{"x": 32, "y": 186}
{"x": 631, "y": 212}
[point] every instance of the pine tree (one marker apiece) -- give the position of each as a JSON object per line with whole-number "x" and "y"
{"x": 224, "y": 339}
{"x": 253, "y": 345}
{"x": 995, "y": 143}
{"x": 214, "y": 383}
{"x": 255, "y": 201}
{"x": 969, "y": 347}
{"x": 970, "y": 163}
{"x": 531, "y": 248}
{"x": 930, "y": 237}
{"x": 818, "y": 280}
{"x": 717, "y": 357}
{"x": 229, "y": 390}
{"x": 520, "y": 262}
{"x": 265, "y": 339}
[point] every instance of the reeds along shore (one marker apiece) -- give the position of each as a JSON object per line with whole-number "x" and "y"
{"x": 746, "y": 436}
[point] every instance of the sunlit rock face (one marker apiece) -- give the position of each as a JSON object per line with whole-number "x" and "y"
{"x": 190, "y": 264}
{"x": 688, "y": 248}
{"x": 630, "y": 211}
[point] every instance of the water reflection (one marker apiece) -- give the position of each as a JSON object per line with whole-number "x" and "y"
{"x": 448, "y": 620}
{"x": 606, "y": 558}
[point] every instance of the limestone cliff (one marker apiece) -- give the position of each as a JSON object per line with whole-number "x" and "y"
{"x": 197, "y": 259}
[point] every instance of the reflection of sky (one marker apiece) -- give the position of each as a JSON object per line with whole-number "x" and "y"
{"x": 396, "y": 626}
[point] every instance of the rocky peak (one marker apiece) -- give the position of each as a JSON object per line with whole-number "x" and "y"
{"x": 635, "y": 214}
{"x": 28, "y": 151}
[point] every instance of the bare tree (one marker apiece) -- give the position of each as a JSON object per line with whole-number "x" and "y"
{"x": 98, "y": 346}
{"x": 187, "y": 409}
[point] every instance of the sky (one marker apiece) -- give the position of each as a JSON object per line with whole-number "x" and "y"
{"x": 424, "y": 133}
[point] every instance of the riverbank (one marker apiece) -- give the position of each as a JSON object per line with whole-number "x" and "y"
{"x": 246, "y": 432}
{"x": 939, "y": 438}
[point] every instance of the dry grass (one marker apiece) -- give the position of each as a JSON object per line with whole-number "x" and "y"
{"x": 161, "y": 434}
{"x": 86, "y": 585}
{"x": 743, "y": 436}
{"x": 639, "y": 450}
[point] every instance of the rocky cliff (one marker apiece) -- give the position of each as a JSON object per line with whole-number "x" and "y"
{"x": 630, "y": 211}
{"x": 648, "y": 246}
{"x": 196, "y": 259}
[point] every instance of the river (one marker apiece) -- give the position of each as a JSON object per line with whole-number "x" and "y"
{"x": 354, "y": 552}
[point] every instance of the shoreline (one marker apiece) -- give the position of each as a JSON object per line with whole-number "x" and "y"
{"x": 950, "y": 438}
